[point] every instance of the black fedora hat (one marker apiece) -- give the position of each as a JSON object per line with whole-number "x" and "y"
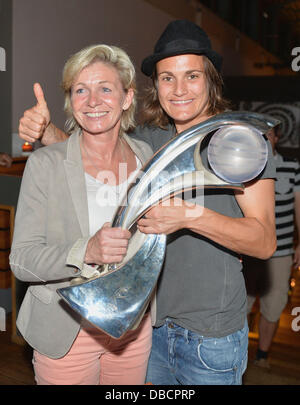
{"x": 179, "y": 38}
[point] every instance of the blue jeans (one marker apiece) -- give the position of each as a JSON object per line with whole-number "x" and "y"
{"x": 182, "y": 357}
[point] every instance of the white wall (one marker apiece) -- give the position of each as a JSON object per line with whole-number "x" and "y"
{"x": 5, "y": 74}
{"x": 47, "y": 32}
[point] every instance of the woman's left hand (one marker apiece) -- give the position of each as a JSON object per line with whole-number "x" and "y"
{"x": 169, "y": 216}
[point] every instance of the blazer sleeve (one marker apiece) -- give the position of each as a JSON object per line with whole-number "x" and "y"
{"x": 32, "y": 259}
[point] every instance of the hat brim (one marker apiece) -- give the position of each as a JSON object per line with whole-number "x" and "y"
{"x": 149, "y": 63}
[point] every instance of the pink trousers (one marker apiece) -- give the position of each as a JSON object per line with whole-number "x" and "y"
{"x": 95, "y": 358}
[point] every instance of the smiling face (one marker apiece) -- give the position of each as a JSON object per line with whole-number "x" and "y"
{"x": 182, "y": 89}
{"x": 98, "y": 99}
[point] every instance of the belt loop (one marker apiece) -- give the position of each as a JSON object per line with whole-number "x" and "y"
{"x": 186, "y": 335}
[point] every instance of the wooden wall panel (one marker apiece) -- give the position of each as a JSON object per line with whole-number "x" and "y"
{"x": 6, "y": 232}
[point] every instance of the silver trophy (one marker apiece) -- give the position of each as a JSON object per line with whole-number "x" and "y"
{"x": 237, "y": 152}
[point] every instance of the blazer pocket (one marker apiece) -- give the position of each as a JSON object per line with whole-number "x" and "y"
{"x": 42, "y": 293}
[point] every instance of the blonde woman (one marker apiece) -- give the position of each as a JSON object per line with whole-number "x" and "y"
{"x": 62, "y": 224}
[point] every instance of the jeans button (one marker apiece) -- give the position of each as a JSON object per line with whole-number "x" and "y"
{"x": 171, "y": 325}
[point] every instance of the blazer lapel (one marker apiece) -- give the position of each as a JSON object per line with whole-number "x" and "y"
{"x": 76, "y": 181}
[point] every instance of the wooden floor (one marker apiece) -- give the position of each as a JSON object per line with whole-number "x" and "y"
{"x": 16, "y": 367}
{"x": 15, "y": 360}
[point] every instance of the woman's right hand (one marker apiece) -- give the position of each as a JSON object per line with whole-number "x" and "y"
{"x": 108, "y": 245}
{"x": 35, "y": 120}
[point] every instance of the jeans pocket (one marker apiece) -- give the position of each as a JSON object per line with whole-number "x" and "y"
{"x": 219, "y": 355}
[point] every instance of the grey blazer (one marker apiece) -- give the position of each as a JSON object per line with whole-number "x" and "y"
{"x": 50, "y": 238}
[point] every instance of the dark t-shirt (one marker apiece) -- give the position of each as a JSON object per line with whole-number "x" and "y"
{"x": 201, "y": 286}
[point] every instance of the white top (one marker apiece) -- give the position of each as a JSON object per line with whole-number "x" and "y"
{"x": 104, "y": 199}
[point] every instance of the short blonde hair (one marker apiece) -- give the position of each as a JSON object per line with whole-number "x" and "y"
{"x": 111, "y": 55}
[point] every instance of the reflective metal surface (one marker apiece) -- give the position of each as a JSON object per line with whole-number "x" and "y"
{"x": 115, "y": 301}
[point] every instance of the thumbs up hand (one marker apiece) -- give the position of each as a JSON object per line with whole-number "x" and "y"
{"x": 40, "y": 98}
{"x": 35, "y": 120}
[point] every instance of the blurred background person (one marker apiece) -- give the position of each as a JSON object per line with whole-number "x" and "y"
{"x": 5, "y": 160}
{"x": 270, "y": 279}
{"x": 69, "y": 193}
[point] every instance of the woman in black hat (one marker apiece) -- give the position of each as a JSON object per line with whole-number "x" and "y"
{"x": 200, "y": 335}
{"x": 183, "y": 38}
